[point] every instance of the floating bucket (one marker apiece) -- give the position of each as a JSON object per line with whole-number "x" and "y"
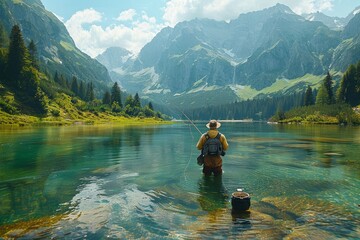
{"x": 240, "y": 201}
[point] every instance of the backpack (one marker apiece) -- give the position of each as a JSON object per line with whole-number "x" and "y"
{"x": 212, "y": 146}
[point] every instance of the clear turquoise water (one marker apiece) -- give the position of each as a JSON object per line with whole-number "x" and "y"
{"x": 143, "y": 182}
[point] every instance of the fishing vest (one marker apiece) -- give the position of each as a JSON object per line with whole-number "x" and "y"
{"x": 212, "y": 146}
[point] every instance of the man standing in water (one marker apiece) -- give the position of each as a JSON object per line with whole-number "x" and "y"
{"x": 213, "y": 145}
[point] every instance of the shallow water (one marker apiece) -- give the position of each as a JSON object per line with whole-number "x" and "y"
{"x": 143, "y": 182}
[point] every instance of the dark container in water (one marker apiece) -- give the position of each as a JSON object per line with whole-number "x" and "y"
{"x": 240, "y": 201}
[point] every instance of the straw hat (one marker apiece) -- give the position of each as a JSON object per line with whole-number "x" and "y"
{"x": 213, "y": 124}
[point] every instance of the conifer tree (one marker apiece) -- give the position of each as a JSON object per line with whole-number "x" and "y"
{"x": 56, "y": 78}
{"x": 90, "y": 96}
{"x": 309, "y": 98}
{"x": 107, "y": 98}
{"x": 116, "y": 94}
{"x": 129, "y": 101}
{"x": 325, "y": 94}
{"x": 329, "y": 88}
{"x": 63, "y": 82}
{"x": 82, "y": 90}
{"x": 150, "y": 106}
{"x": 137, "y": 100}
{"x": 129, "y": 105}
{"x": 74, "y": 86}
{"x": 33, "y": 55}
{"x": 322, "y": 97}
{"x": 17, "y": 56}
{"x": 347, "y": 91}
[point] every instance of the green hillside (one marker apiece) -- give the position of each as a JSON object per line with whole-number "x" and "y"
{"x": 29, "y": 96}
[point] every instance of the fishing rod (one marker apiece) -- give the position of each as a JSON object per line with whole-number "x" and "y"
{"x": 191, "y": 122}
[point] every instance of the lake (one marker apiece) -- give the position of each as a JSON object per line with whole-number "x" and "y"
{"x": 97, "y": 182}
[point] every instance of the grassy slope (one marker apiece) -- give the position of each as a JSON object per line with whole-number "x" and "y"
{"x": 62, "y": 111}
{"x": 281, "y": 86}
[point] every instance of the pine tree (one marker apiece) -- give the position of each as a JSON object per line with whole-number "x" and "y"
{"x": 116, "y": 94}
{"x": 56, "y": 78}
{"x": 150, "y": 106}
{"x": 129, "y": 105}
{"x": 17, "y": 57}
{"x": 325, "y": 94}
{"x": 137, "y": 101}
{"x": 90, "y": 96}
{"x": 107, "y": 98}
{"x": 63, "y": 82}
{"x": 357, "y": 81}
{"x": 347, "y": 91}
{"x": 322, "y": 97}
{"x": 82, "y": 90}
{"x": 329, "y": 88}
{"x": 74, "y": 86}
{"x": 309, "y": 98}
{"x": 33, "y": 55}
{"x": 129, "y": 101}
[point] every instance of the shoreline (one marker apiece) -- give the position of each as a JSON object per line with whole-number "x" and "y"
{"x": 105, "y": 119}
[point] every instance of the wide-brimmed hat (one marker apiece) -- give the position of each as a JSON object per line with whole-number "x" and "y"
{"x": 213, "y": 124}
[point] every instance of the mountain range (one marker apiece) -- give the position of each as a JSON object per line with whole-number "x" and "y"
{"x": 56, "y": 49}
{"x": 272, "y": 51}
{"x": 202, "y": 62}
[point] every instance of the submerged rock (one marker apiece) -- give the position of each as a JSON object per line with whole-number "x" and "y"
{"x": 20, "y": 229}
{"x": 309, "y": 233}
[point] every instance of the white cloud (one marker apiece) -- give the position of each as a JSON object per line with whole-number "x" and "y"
{"x": 127, "y": 15}
{"x": 180, "y": 10}
{"x": 95, "y": 38}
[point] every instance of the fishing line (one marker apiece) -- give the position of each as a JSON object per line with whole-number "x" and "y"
{"x": 191, "y": 133}
{"x": 190, "y": 121}
{"x": 190, "y": 157}
{"x": 192, "y": 136}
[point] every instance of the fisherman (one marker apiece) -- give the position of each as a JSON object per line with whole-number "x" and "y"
{"x": 212, "y": 159}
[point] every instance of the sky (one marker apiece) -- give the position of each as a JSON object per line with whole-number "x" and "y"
{"x": 96, "y": 25}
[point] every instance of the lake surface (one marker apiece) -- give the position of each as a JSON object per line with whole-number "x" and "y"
{"x": 97, "y": 182}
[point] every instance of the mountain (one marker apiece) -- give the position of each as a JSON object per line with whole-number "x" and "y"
{"x": 348, "y": 51}
{"x": 268, "y": 52}
{"x": 57, "y": 50}
{"x": 114, "y": 58}
{"x": 334, "y": 23}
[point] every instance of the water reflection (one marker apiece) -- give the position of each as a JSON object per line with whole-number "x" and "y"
{"x": 212, "y": 193}
{"x": 143, "y": 182}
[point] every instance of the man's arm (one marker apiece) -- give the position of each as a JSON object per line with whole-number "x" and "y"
{"x": 224, "y": 142}
{"x": 200, "y": 143}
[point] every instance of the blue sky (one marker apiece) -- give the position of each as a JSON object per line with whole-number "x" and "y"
{"x": 98, "y": 24}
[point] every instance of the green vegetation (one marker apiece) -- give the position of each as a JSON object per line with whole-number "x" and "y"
{"x": 324, "y": 114}
{"x": 329, "y": 109}
{"x": 29, "y": 96}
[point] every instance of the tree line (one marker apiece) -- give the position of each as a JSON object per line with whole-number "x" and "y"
{"x": 345, "y": 95}
{"x": 113, "y": 100}
{"x": 256, "y": 109}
